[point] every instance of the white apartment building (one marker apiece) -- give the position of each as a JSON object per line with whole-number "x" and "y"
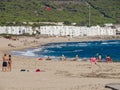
{"x": 72, "y": 31}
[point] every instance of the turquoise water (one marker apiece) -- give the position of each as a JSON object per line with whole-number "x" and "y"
{"x": 84, "y": 50}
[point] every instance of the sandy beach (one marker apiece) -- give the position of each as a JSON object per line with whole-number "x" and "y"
{"x": 54, "y": 74}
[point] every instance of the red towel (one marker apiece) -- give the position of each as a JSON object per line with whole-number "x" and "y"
{"x": 40, "y": 58}
{"x": 37, "y": 70}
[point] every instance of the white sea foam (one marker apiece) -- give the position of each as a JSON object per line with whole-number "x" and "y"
{"x": 83, "y": 44}
{"x": 79, "y": 44}
{"x": 78, "y": 50}
{"x": 28, "y": 53}
{"x": 24, "y": 53}
{"x": 38, "y": 49}
{"x": 104, "y": 43}
{"x": 114, "y": 43}
{"x": 110, "y": 43}
{"x": 18, "y": 52}
{"x": 58, "y": 46}
{"x": 48, "y": 51}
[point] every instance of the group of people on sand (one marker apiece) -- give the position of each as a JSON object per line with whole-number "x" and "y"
{"x": 63, "y": 58}
{"x": 98, "y": 58}
{"x": 7, "y": 62}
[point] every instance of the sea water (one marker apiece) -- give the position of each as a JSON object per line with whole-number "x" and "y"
{"x": 84, "y": 50}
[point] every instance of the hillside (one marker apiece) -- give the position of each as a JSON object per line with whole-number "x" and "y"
{"x": 102, "y": 11}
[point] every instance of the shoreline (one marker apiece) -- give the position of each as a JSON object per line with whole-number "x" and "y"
{"x": 86, "y": 58}
{"x": 54, "y": 74}
{"x": 39, "y": 43}
{"x": 48, "y": 40}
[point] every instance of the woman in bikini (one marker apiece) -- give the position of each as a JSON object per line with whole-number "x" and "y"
{"x": 9, "y": 63}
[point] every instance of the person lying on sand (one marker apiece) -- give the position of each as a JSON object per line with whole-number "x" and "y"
{"x": 48, "y": 58}
{"x": 11, "y": 45}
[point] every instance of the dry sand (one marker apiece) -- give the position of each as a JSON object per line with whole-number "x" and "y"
{"x": 54, "y": 75}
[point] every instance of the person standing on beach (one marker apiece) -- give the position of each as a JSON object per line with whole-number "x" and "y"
{"x": 4, "y": 65}
{"x": 97, "y": 56}
{"x": 63, "y": 58}
{"x": 9, "y": 63}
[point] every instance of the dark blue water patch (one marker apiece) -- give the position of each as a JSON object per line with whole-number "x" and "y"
{"x": 85, "y": 49}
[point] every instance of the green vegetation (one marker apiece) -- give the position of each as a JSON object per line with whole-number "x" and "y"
{"x": 15, "y": 12}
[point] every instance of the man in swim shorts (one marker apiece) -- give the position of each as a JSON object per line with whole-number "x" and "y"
{"x": 4, "y": 65}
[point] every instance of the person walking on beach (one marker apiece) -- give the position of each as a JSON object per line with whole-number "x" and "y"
{"x": 4, "y": 64}
{"x": 9, "y": 62}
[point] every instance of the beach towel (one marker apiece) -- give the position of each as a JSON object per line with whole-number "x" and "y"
{"x": 40, "y": 58}
{"x": 37, "y": 70}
